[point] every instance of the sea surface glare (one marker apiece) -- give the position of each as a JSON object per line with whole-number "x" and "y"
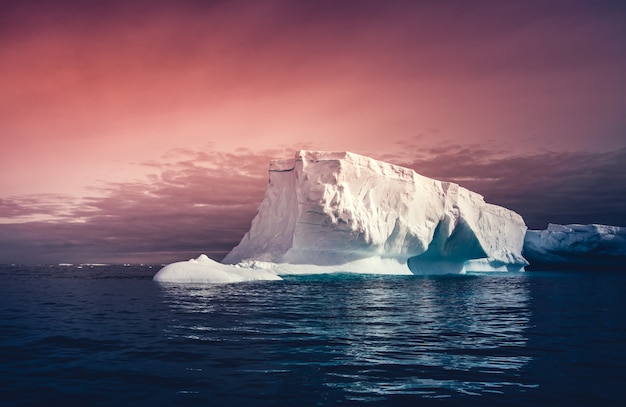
{"x": 110, "y": 336}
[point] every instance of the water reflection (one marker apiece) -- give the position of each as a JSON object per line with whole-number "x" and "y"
{"x": 463, "y": 334}
{"x": 364, "y": 337}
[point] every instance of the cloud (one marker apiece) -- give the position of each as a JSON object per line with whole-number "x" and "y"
{"x": 201, "y": 202}
{"x": 29, "y": 207}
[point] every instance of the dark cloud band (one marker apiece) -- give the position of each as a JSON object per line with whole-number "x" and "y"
{"x": 204, "y": 202}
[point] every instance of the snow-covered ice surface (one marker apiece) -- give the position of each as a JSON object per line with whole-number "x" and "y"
{"x": 205, "y": 270}
{"x": 567, "y": 246}
{"x": 342, "y": 212}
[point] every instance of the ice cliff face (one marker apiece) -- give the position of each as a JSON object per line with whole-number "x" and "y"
{"x": 347, "y": 212}
{"x": 575, "y": 246}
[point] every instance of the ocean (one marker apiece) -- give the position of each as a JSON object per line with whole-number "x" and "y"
{"x": 110, "y": 336}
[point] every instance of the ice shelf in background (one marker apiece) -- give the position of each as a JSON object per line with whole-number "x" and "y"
{"x": 576, "y": 246}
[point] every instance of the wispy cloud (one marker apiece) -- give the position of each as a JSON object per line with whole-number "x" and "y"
{"x": 200, "y": 202}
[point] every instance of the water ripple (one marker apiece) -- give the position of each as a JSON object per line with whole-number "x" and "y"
{"x": 107, "y": 336}
{"x": 432, "y": 337}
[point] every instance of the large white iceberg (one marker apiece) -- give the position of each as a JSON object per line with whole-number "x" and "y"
{"x": 567, "y": 246}
{"x": 339, "y": 211}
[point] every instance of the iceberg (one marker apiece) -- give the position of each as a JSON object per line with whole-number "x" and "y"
{"x": 326, "y": 212}
{"x": 205, "y": 270}
{"x": 343, "y": 212}
{"x": 576, "y": 246}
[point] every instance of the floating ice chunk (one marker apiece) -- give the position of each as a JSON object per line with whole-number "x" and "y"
{"x": 205, "y": 270}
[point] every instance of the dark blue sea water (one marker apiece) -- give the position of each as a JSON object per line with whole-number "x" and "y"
{"x": 110, "y": 336}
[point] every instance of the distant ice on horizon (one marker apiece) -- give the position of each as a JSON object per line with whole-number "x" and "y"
{"x": 575, "y": 246}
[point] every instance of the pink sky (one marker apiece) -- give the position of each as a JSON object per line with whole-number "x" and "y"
{"x": 98, "y": 99}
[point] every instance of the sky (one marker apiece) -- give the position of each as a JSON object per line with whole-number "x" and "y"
{"x": 140, "y": 131}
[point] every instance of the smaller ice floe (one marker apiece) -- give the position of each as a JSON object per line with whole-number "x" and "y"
{"x": 576, "y": 246}
{"x": 205, "y": 270}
